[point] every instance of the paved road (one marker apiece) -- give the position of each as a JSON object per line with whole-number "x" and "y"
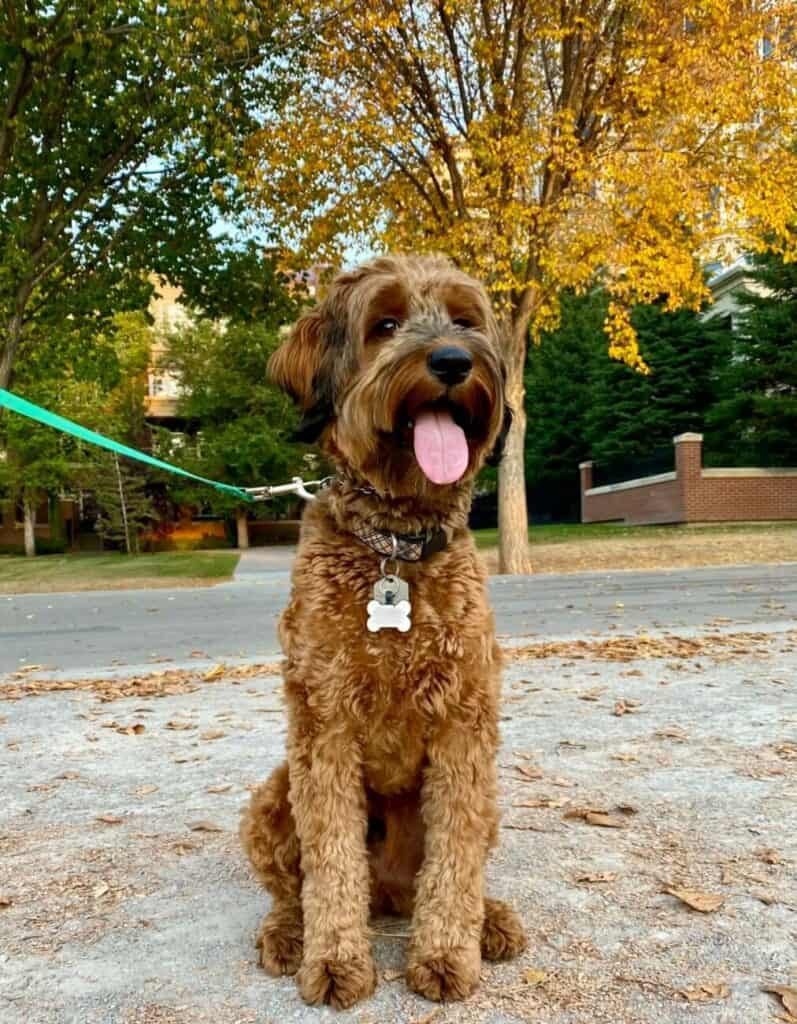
{"x": 99, "y": 629}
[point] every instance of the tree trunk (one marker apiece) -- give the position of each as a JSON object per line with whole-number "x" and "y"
{"x": 242, "y": 528}
{"x": 29, "y": 509}
{"x": 8, "y": 349}
{"x": 513, "y": 519}
{"x": 123, "y": 504}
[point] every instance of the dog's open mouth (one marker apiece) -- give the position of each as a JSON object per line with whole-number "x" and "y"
{"x": 438, "y": 433}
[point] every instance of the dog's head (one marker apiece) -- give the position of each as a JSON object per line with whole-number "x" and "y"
{"x": 398, "y": 372}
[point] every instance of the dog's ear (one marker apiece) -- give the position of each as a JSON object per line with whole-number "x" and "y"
{"x": 294, "y": 365}
{"x": 495, "y": 456}
{"x": 298, "y": 368}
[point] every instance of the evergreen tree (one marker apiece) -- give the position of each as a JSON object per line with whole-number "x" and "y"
{"x": 583, "y": 405}
{"x": 557, "y": 404}
{"x": 755, "y": 423}
{"x": 632, "y": 415}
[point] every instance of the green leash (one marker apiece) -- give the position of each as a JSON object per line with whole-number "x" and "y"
{"x": 50, "y": 419}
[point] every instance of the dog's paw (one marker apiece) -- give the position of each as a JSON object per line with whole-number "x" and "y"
{"x": 448, "y": 975}
{"x": 339, "y": 981}
{"x": 502, "y": 933}
{"x": 280, "y": 946}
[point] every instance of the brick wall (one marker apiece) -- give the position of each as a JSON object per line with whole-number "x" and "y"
{"x": 692, "y": 494}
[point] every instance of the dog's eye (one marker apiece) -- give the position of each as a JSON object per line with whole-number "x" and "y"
{"x": 384, "y": 328}
{"x": 462, "y": 321}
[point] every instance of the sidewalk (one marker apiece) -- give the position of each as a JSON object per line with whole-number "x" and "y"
{"x": 256, "y": 563}
{"x": 125, "y": 898}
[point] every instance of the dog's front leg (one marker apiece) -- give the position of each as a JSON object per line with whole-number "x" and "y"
{"x": 328, "y": 802}
{"x": 458, "y": 812}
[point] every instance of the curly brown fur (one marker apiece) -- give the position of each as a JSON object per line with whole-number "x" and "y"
{"x": 387, "y": 802}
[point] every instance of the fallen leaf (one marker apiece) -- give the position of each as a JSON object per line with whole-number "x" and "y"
{"x": 534, "y": 976}
{"x": 392, "y": 975}
{"x": 145, "y": 790}
{"x": 543, "y": 801}
{"x": 429, "y": 1017}
{"x": 212, "y": 734}
{"x": 598, "y": 876}
{"x": 705, "y": 993}
{"x": 593, "y": 816}
{"x": 219, "y": 789}
{"x": 131, "y": 730}
{"x": 101, "y": 890}
{"x": 5, "y": 901}
{"x": 594, "y": 694}
{"x": 671, "y": 732}
{"x": 770, "y": 856}
{"x": 214, "y": 673}
{"x": 788, "y": 996}
{"x": 625, "y": 707}
{"x": 109, "y": 819}
{"x": 204, "y": 826}
{"x": 624, "y": 757}
{"x": 705, "y": 902}
{"x": 532, "y": 773}
{"x": 174, "y": 724}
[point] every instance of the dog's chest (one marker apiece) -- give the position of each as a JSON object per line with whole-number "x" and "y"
{"x": 393, "y": 746}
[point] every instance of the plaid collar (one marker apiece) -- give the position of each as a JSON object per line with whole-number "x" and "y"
{"x": 406, "y": 547}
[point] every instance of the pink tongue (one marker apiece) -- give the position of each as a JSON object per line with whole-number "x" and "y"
{"x": 441, "y": 447}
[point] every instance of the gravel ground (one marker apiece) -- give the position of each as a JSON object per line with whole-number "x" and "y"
{"x": 628, "y": 767}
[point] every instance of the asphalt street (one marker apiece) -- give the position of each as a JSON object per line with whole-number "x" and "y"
{"x": 100, "y": 629}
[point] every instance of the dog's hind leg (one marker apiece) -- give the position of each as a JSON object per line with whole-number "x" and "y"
{"x": 502, "y": 933}
{"x": 268, "y": 834}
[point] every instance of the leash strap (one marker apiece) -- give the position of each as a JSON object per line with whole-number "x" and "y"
{"x": 50, "y": 419}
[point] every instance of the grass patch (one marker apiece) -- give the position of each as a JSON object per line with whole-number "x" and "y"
{"x": 99, "y": 571}
{"x": 561, "y": 533}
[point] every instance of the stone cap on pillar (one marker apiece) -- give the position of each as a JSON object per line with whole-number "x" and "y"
{"x": 687, "y": 437}
{"x": 585, "y": 465}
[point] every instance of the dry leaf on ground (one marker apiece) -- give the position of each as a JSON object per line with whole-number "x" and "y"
{"x": 788, "y": 996}
{"x": 219, "y": 789}
{"x": 174, "y": 724}
{"x": 625, "y": 707}
{"x": 214, "y": 673}
{"x": 672, "y": 732}
{"x": 598, "y": 876}
{"x": 531, "y": 772}
{"x": 5, "y": 901}
{"x": 543, "y": 801}
{"x": 204, "y": 826}
{"x": 594, "y": 816}
{"x": 145, "y": 790}
{"x": 212, "y": 734}
{"x": 705, "y": 902}
{"x": 594, "y": 694}
{"x": 770, "y": 856}
{"x": 392, "y": 975}
{"x": 534, "y": 976}
{"x": 109, "y": 819}
{"x": 705, "y": 993}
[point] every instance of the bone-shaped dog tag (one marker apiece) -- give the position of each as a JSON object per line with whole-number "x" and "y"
{"x": 390, "y": 607}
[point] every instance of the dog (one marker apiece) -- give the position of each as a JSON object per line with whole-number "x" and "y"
{"x": 387, "y": 802}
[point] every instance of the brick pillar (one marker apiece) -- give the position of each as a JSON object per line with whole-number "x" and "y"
{"x": 688, "y": 467}
{"x": 585, "y": 469}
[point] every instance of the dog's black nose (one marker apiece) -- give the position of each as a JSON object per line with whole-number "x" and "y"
{"x": 450, "y": 364}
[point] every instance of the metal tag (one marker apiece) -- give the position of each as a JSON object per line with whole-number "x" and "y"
{"x": 390, "y": 607}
